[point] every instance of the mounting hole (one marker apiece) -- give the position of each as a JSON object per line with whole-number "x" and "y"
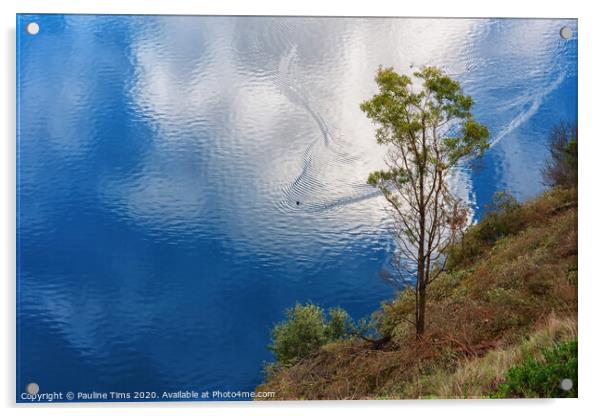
{"x": 566, "y": 384}
{"x": 566, "y": 32}
{"x": 32, "y": 388}
{"x": 33, "y": 28}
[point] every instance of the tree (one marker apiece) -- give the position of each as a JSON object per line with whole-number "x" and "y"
{"x": 427, "y": 125}
{"x": 561, "y": 167}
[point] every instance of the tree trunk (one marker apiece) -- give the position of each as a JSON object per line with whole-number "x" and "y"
{"x": 420, "y": 293}
{"x": 422, "y": 272}
{"x": 420, "y": 308}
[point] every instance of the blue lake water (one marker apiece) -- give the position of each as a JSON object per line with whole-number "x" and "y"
{"x": 160, "y": 161}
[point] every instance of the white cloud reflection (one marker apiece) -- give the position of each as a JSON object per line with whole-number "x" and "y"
{"x": 283, "y": 94}
{"x": 267, "y": 109}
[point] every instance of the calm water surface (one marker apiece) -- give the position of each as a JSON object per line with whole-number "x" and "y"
{"x": 160, "y": 161}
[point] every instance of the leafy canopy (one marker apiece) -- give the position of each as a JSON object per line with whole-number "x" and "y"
{"x": 403, "y": 115}
{"x": 306, "y": 329}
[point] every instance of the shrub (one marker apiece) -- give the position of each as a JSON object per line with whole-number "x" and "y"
{"x": 306, "y": 329}
{"x": 542, "y": 378}
{"x": 395, "y": 313}
{"x": 561, "y": 167}
{"x": 340, "y": 325}
{"x": 503, "y": 217}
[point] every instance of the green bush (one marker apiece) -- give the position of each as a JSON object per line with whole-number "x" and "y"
{"x": 502, "y": 217}
{"x": 340, "y": 325}
{"x": 561, "y": 167}
{"x": 542, "y": 378}
{"x": 305, "y": 329}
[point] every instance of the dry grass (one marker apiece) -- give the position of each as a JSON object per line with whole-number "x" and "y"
{"x": 510, "y": 296}
{"x": 477, "y": 377}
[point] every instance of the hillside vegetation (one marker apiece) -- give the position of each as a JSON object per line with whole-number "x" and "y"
{"x": 502, "y": 320}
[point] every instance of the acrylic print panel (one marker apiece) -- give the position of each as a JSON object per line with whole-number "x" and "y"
{"x": 237, "y": 208}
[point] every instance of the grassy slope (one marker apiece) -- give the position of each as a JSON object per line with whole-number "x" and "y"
{"x": 511, "y": 291}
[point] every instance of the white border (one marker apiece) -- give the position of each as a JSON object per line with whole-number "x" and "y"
{"x": 590, "y": 23}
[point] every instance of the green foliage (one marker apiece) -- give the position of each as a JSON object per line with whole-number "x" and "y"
{"x": 561, "y": 167}
{"x": 406, "y": 118}
{"x": 340, "y": 325}
{"x": 306, "y": 329}
{"x": 397, "y": 312}
{"x": 502, "y": 217}
{"x": 427, "y": 125}
{"x": 506, "y": 217}
{"x": 503, "y": 202}
{"x": 542, "y": 378}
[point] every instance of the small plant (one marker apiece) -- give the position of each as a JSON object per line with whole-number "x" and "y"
{"x": 306, "y": 329}
{"x": 542, "y": 378}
